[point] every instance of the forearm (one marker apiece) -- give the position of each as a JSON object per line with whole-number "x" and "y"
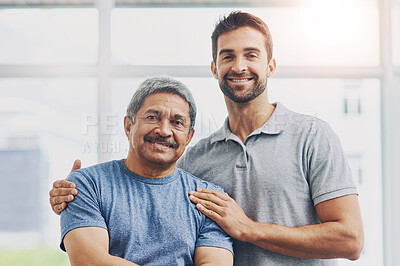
{"x": 321, "y": 241}
{"x": 339, "y": 235}
{"x": 89, "y": 246}
{"x": 113, "y": 260}
{"x": 100, "y": 260}
{"x": 212, "y": 256}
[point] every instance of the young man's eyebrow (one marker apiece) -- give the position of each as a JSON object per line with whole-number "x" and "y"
{"x": 252, "y": 49}
{"x": 247, "y": 49}
{"x": 225, "y": 51}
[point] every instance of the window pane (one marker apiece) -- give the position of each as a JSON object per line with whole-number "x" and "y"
{"x": 352, "y": 108}
{"x": 396, "y": 34}
{"x": 48, "y": 36}
{"x": 302, "y": 35}
{"x": 43, "y": 130}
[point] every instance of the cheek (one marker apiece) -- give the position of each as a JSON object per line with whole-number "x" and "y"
{"x": 183, "y": 140}
{"x": 132, "y": 140}
{"x": 222, "y": 71}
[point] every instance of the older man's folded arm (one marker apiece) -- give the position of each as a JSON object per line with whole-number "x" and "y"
{"x": 89, "y": 246}
{"x": 212, "y": 256}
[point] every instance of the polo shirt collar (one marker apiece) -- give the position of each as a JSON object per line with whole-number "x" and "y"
{"x": 276, "y": 124}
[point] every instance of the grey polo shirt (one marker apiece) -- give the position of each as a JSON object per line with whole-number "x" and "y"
{"x": 278, "y": 175}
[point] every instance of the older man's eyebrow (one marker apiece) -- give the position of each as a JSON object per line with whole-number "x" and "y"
{"x": 152, "y": 111}
{"x": 178, "y": 116}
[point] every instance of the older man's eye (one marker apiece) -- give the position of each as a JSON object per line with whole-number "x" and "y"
{"x": 151, "y": 119}
{"x": 178, "y": 123}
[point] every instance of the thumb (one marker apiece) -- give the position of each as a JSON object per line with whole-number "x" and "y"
{"x": 76, "y": 166}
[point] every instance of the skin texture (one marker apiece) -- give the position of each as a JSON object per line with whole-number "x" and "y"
{"x": 241, "y": 65}
{"x": 159, "y": 135}
{"x": 236, "y": 58}
{"x": 157, "y": 139}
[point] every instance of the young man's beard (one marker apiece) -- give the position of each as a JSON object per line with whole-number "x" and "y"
{"x": 254, "y": 92}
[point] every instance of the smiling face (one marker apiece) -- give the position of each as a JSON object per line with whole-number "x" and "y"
{"x": 242, "y": 66}
{"x": 160, "y": 133}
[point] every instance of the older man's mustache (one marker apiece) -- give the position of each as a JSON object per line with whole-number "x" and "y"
{"x": 160, "y": 140}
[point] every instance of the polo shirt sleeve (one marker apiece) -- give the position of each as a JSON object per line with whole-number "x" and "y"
{"x": 84, "y": 210}
{"x": 329, "y": 173}
{"x": 212, "y": 235}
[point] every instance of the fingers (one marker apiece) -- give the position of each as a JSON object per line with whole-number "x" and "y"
{"x": 58, "y": 208}
{"x": 76, "y": 166}
{"x": 209, "y": 195}
{"x": 55, "y": 200}
{"x": 60, "y": 196}
{"x": 62, "y": 192}
{"x": 60, "y": 199}
{"x": 63, "y": 184}
{"x": 214, "y": 192}
{"x": 208, "y": 212}
{"x": 59, "y": 203}
{"x": 206, "y": 204}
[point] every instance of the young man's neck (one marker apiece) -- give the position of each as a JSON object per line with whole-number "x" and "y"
{"x": 244, "y": 118}
{"x": 150, "y": 171}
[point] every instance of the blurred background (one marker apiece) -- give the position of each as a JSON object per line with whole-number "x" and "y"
{"x": 68, "y": 69}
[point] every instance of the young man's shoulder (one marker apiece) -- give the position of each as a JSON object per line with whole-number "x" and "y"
{"x": 306, "y": 124}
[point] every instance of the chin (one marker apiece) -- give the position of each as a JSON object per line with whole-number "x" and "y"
{"x": 162, "y": 162}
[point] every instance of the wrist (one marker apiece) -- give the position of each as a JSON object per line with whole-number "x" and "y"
{"x": 248, "y": 231}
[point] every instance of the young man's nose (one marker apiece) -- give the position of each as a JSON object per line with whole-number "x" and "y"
{"x": 239, "y": 65}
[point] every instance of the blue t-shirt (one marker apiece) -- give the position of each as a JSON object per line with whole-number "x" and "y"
{"x": 149, "y": 221}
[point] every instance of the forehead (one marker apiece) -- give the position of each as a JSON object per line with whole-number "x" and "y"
{"x": 165, "y": 102}
{"x": 241, "y": 38}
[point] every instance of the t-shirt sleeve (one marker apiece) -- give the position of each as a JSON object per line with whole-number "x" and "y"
{"x": 212, "y": 235}
{"x": 329, "y": 172}
{"x": 84, "y": 210}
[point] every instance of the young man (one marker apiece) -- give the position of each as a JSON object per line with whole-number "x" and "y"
{"x": 295, "y": 201}
{"x": 137, "y": 211}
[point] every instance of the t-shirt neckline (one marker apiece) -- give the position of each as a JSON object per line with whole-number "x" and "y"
{"x": 147, "y": 180}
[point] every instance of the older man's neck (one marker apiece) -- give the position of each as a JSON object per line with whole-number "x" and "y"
{"x": 147, "y": 169}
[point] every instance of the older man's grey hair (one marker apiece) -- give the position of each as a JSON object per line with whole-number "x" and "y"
{"x": 161, "y": 85}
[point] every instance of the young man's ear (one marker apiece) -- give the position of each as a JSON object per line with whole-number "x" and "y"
{"x": 127, "y": 125}
{"x": 214, "y": 70}
{"x": 271, "y": 67}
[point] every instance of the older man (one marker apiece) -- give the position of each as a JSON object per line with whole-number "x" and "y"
{"x": 137, "y": 211}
